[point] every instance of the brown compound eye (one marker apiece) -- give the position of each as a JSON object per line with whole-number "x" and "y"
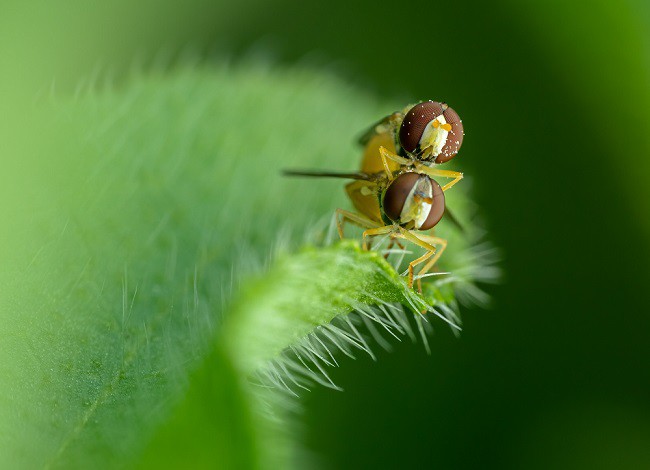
{"x": 414, "y": 197}
{"x": 416, "y": 135}
{"x": 397, "y": 194}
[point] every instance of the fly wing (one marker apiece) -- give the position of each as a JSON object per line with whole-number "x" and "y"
{"x": 383, "y": 125}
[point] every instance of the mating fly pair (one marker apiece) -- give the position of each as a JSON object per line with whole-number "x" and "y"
{"x": 395, "y": 192}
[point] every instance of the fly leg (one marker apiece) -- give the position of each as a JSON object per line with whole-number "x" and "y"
{"x": 427, "y": 170}
{"x": 431, "y": 250}
{"x": 373, "y": 232}
{"x": 393, "y": 241}
{"x": 388, "y": 155}
{"x": 442, "y": 245}
{"x": 343, "y": 216}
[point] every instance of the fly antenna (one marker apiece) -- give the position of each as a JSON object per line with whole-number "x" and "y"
{"x": 328, "y": 174}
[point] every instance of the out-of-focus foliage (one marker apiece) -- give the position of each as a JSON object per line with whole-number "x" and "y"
{"x": 552, "y": 96}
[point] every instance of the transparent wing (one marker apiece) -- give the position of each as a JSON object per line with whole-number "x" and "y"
{"x": 383, "y": 125}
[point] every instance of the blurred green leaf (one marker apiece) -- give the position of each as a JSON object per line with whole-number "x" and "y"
{"x": 600, "y": 51}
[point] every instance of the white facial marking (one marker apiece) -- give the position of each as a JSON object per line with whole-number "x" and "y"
{"x": 415, "y": 208}
{"x": 434, "y": 137}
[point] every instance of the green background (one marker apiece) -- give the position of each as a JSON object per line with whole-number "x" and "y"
{"x": 554, "y": 97}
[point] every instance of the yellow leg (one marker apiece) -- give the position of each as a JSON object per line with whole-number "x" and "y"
{"x": 442, "y": 244}
{"x": 431, "y": 250}
{"x": 419, "y": 167}
{"x": 387, "y": 155}
{"x": 427, "y": 170}
{"x": 342, "y": 216}
{"x": 393, "y": 241}
{"x": 425, "y": 241}
{"x": 373, "y": 232}
{"x": 390, "y": 245}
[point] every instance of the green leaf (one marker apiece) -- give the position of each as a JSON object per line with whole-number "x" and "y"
{"x": 149, "y": 284}
{"x": 304, "y": 292}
